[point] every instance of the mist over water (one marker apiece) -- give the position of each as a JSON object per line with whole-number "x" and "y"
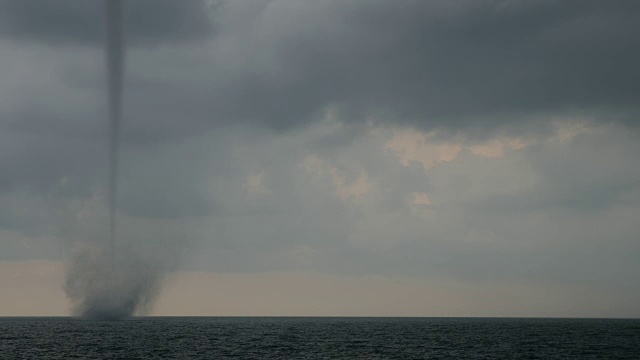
{"x": 105, "y": 287}
{"x": 100, "y": 290}
{"x": 109, "y": 279}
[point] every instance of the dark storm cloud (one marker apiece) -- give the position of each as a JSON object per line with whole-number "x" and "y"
{"x": 454, "y": 65}
{"x": 460, "y": 65}
{"x": 149, "y": 22}
{"x": 438, "y": 63}
{"x": 464, "y": 66}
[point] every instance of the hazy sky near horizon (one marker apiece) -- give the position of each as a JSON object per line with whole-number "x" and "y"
{"x": 444, "y": 157}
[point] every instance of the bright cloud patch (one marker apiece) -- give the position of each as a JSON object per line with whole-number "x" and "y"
{"x": 429, "y": 150}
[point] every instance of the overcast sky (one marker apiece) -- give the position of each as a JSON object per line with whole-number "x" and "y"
{"x": 332, "y": 157}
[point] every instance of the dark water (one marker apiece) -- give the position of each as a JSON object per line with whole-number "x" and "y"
{"x": 320, "y": 338}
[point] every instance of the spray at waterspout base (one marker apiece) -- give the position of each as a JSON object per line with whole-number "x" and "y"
{"x": 101, "y": 292}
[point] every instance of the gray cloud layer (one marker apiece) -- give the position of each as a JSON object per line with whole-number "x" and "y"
{"x": 252, "y": 89}
{"x": 78, "y": 22}
{"x": 466, "y": 66}
{"x": 475, "y": 67}
{"x": 454, "y": 65}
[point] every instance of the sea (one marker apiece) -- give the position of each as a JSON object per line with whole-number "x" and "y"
{"x": 318, "y": 338}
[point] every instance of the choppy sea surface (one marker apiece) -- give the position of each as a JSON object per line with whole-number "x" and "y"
{"x": 319, "y": 338}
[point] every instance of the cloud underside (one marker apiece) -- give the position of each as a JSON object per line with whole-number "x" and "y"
{"x": 431, "y": 64}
